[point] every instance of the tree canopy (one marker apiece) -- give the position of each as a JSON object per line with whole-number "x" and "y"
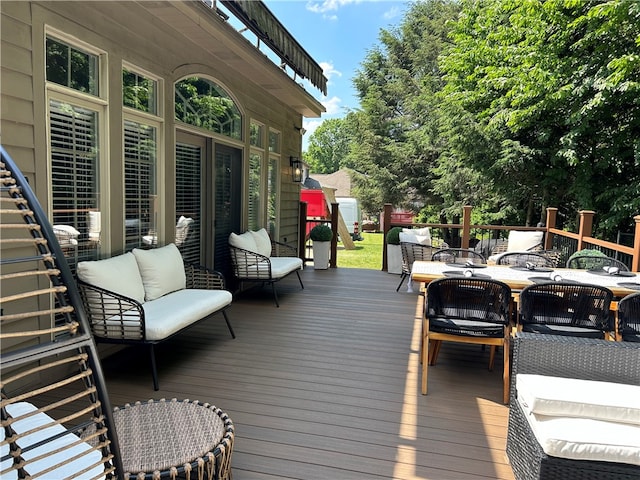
{"x": 508, "y": 105}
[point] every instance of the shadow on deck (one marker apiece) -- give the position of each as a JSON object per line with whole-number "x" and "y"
{"x": 327, "y": 385}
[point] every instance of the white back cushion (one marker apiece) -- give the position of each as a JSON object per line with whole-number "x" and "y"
{"x": 161, "y": 269}
{"x": 244, "y": 241}
{"x": 118, "y": 274}
{"x": 521, "y": 241}
{"x": 416, "y": 235}
{"x": 263, "y": 242}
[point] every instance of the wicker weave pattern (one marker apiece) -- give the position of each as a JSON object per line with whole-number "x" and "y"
{"x": 570, "y": 357}
{"x": 523, "y": 259}
{"x": 410, "y": 253}
{"x": 44, "y": 359}
{"x": 629, "y": 318}
{"x": 458, "y": 255}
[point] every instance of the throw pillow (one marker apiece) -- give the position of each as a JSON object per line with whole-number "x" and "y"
{"x": 522, "y": 241}
{"x": 161, "y": 269}
{"x": 263, "y": 242}
{"x": 118, "y": 274}
{"x": 244, "y": 241}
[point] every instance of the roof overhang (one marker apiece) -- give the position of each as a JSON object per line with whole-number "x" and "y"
{"x": 207, "y": 27}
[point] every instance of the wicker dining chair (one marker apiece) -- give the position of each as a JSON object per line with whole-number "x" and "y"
{"x": 524, "y": 259}
{"x": 629, "y": 318}
{"x": 458, "y": 255}
{"x": 56, "y": 419}
{"x": 410, "y": 253}
{"x": 467, "y": 310}
{"x": 588, "y": 262}
{"x": 561, "y": 308}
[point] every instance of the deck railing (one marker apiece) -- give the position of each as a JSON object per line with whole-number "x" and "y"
{"x": 554, "y": 238}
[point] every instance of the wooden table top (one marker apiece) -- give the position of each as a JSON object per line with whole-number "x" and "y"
{"x": 518, "y": 278}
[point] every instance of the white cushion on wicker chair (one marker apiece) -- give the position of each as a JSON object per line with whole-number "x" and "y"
{"x": 119, "y": 274}
{"x": 244, "y": 241}
{"x": 263, "y": 242}
{"x": 587, "y": 439}
{"x": 161, "y": 269}
{"x": 283, "y": 266}
{"x": 572, "y": 397}
{"x": 522, "y": 241}
{"x": 69, "y": 467}
{"x": 416, "y": 235}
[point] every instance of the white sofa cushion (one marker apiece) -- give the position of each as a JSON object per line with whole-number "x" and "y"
{"x": 244, "y": 241}
{"x": 571, "y": 397}
{"x": 71, "y": 466}
{"x": 263, "y": 242}
{"x": 416, "y": 235}
{"x": 118, "y": 274}
{"x": 522, "y": 241}
{"x": 283, "y": 266}
{"x": 171, "y": 313}
{"x": 587, "y": 439}
{"x": 161, "y": 269}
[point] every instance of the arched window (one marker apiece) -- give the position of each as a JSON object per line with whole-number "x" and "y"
{"x": 205, "y": 104}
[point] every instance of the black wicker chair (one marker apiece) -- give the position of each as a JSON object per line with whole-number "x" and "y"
{"x": 587, "y": 262}
{"x": 525, "y": 259}
{"x": 467, "y": 310}
{"x": 410, "y": 253}
{"x": 561, "y": 308}
{"x": 568, "y": 357}
{"x": 458, "y": 255}
{"x": 629, "y": 318}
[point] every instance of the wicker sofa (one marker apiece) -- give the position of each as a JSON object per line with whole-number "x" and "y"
{"x": 144, "y": 297}
{"x": 570, "y": 358}
{"x": 257, "y": 258}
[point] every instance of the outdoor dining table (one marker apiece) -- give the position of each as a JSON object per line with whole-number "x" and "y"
{"x": 517, "y": 278}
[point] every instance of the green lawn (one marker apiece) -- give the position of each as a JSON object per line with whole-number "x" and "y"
{"x": 368, "y": 253}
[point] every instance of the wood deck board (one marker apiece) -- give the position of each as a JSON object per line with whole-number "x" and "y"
{"x": 327, "y": 385}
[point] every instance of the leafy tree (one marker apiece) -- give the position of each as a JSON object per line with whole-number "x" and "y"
{"x": 328, "y": 146}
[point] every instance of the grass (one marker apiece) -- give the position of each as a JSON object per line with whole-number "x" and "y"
{"x": 367, "y": 254}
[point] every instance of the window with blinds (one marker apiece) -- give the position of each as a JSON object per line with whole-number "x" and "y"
{"x": 254, "y": 205}
{"x": 141, "y": 203}
{"x": 75, "y": 179}
{"x": 188, "y": 206}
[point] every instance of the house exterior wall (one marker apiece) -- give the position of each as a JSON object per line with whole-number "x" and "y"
{"x": 177, "y": 39}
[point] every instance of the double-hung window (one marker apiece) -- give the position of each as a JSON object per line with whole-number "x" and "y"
{"x": 256, "y": 204}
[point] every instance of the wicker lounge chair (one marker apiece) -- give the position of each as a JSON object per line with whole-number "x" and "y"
{"x": 629, "y": 318}
{"x": 524, "y": 259}
{"x": 56, "y": 418}
{"x": 572, "y": 358}
{"x": 410, "y": 253}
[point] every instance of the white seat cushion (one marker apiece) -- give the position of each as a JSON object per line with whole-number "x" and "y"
{"x": 283, "y": 266}
{"x": 70, "y": 468}
{"x": 118, "y": 274}
{"x": 571, "y": 397}
{"x": 587, "y": 439}
{"x": 161, "y": 269}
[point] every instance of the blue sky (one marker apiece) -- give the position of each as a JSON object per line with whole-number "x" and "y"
{"x": 337, "y": 34}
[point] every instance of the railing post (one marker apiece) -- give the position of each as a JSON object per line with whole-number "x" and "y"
{"x": 635, "y": 261}
{"x": 333, "y": 260}
{"x": 386, "y": 226}
{"x": 302, "y": 234}
{"x": 466, "y": 225}
{"x": 586, "y": 226}
{"x": 552, "y": 214}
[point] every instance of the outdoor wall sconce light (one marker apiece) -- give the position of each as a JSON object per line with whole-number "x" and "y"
{"x": 296, "y": 169}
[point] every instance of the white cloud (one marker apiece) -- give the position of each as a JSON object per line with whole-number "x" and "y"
{"x": 325, "y": 6}
{"x": 329, "y": 70}
{"x": 393, "y": 12}
{"x": 332, "y": 105}
{"x": 310, "y": 126}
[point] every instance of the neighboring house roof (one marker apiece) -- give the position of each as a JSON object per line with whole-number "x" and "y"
{"x": 340, "y": 180}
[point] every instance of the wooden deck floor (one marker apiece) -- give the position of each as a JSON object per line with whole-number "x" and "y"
{"x": 327, "y": 385}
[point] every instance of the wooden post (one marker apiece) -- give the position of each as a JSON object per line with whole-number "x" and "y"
{"x": 552, "y": 213}
{"x": 333, "y": 260}
{"x": 466, "y": 225}
{"x": 386, "y": 226}
{"x": 302, "y": 233}
{"x": 635, "y": 262}
{"x": 586, "y": 226}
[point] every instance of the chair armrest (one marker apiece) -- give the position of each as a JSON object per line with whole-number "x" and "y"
{"x": 201, "y": 277}
{"x": 279, "y": 249}
{"x": 250, "y": 265}
{"x": 112, "y": 315}
{"x": 575, "y": 357}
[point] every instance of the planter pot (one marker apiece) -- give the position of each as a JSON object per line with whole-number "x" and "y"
{"x": 321, "y": 253}
{"x": 394, "y": 259}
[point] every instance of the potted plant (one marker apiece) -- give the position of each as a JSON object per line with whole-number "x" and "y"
{"x": 321, "y": 236}
{"x": 394, "y": 254}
